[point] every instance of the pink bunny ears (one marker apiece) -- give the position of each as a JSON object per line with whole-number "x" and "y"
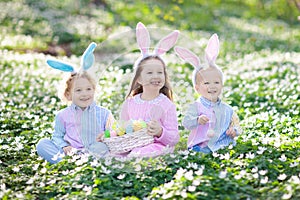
{"x": 211, "y": 53}
{"x": 143, "y": 40}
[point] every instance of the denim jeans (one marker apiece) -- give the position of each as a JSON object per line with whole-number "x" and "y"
{"x": 49, "y": 151}
{"x": 200, "y": 149}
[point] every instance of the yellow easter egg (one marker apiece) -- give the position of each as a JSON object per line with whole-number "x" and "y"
{"x": 137, "y": 125}
{"x": 120, "y": 132}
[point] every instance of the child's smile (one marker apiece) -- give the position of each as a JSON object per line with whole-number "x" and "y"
{"x": 209, "y": 84}
{"x": 212, "y": 91}
{"x": 152, "y": 74}
{"x": 155, "y": 83}
{"x": 83, "y": 93}
{"x": 84, "y": 99}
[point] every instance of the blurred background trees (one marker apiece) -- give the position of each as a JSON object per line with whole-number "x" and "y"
{"x": 65, "y": 27}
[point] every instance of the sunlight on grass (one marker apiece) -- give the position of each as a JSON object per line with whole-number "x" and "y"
{"x": 260, "y": 59}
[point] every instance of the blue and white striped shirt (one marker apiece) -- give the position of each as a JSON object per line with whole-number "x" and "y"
{"x": 221, "y": 112}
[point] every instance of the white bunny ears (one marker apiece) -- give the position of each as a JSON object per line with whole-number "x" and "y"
{"x": 87, "y": 61}
{"x": 211, "y": 54}
{"x": 143, "y": 40}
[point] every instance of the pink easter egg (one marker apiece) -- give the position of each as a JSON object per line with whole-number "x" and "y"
{"x": 113, "y": 133}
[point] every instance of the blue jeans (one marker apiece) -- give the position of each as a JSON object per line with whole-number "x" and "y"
{"x": 47, "y": 149}
{"x": 200, "y": 149}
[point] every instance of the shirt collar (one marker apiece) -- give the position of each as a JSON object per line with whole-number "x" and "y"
{"x": 89, "y": 108}
{"x": 208, "y": 103}
{"x": 139, "y": 100}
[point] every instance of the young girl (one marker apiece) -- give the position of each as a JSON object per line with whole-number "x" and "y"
{"x": 78, "y": 125}
{"x": 150, "y": 96}
{"x": 213, "y": 123}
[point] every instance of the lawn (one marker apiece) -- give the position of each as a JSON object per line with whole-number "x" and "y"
{"x": 260, "y": 56}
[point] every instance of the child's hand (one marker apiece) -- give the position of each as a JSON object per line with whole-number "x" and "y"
{"x": 231, "y": 132}
{"x": 68, "y": 150}
{"x": 154, "y": 128}
{"x": 202, "y": 119}
{"x": 100, "y": 137}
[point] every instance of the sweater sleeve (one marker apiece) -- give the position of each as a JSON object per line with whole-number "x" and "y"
{"x": 59, "y": 133}
{"x": 170, "y": 135}
{"x": 190, "y": 119}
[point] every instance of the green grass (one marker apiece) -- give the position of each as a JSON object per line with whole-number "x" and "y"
{"x": 259, "y": 56}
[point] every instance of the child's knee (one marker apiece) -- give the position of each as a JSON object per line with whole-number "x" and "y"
{"x": 42, "y": 143}
{"x": 99, "y": 148}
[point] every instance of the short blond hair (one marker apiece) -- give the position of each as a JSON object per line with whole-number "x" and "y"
{"x": 197, "y": 73}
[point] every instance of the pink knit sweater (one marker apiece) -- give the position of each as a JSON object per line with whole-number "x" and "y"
{"x": 135, "y": 108}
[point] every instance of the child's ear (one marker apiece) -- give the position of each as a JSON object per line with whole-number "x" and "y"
{"x": 196, "y": 87}
{"x": 69, "y": 96}
{"x": 138, "y": 81}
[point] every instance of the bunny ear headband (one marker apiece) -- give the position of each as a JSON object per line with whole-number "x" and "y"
{"x": 87, "y": 61}
{"x": 143, "y": 40}
{"x": 211, "y": 54}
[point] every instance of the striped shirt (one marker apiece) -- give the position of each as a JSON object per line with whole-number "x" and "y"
{"x": 79, "y": 128}
{"x": 220, "y": 115}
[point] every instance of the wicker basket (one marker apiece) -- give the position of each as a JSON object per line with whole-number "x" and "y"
{"x": 127, "y": 142}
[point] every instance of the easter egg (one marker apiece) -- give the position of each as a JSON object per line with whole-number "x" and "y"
{"x": 135, "y": 125}
{"x": 139, "y": 124}
{"x": 144, "y": 124}
{"x": 113, "y": 133}
{"x": 120, "y": 132}
{"x": 107, "y": 134}
{"x": 129, "y": 129}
